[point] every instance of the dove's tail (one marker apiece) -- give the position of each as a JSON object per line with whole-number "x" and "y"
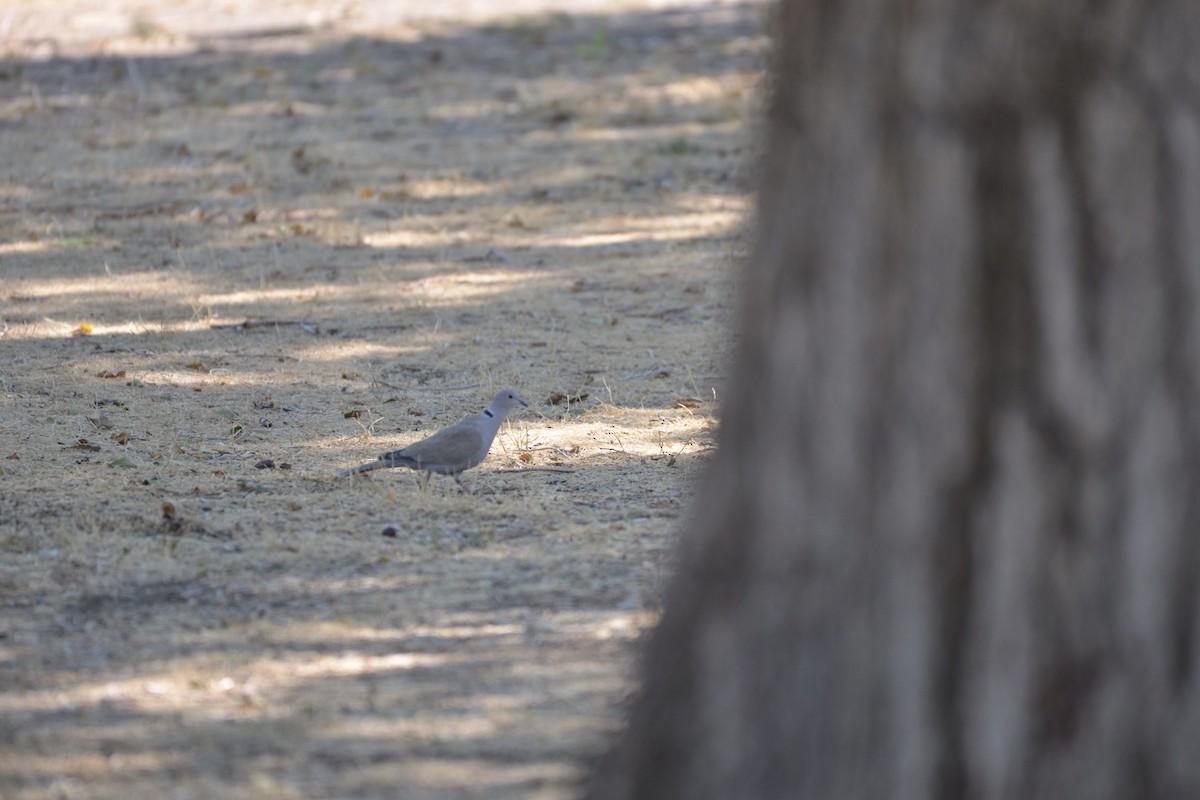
{"x": 378, "y": 463}
{"x": 396, "y": 458}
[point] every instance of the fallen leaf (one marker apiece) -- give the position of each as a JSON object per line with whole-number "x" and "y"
{"x": 120, "y": 462}
{"x": 122, "y": 438}
{"x": 101, "y": 422}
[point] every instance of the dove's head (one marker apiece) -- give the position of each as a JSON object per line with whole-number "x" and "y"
{"x": 505, "y": 401}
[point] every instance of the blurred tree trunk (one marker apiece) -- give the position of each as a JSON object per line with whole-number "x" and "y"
{"x": 951, "y": 542}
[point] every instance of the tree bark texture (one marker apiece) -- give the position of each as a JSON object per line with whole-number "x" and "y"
{"x": 950, "y": 545}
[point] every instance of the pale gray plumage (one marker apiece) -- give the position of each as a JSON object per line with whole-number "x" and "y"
{"x": 451, "y": 450}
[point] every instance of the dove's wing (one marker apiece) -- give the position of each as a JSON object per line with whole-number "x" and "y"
{"x": 451, "y": 450}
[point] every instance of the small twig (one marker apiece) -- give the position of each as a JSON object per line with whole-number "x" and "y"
{"x": 535, "y": 469}
{"x": 396, "y": 326}
{"x": 247, "y": 324}
{"x": 660, "y": 314}
{"x": 102, "y": 211}
{"x": 143, "y": 210}
{"x": 646, "y": 373}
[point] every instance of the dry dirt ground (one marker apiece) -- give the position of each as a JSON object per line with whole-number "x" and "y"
{"x": 246, "y": 244}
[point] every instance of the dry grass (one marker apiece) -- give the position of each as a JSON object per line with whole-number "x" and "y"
{"x": 411, "y": 214}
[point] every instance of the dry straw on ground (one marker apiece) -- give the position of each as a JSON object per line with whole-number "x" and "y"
{"x": 243, "y": 248}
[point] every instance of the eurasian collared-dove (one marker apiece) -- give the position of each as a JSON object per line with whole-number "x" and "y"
{"x": 451, "y": 450}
